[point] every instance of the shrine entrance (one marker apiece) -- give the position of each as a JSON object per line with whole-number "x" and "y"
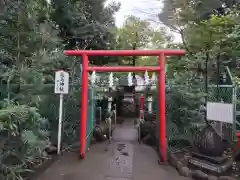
{"x": 160, "y": 70}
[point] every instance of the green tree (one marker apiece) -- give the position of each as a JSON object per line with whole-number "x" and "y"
{"x": 23, "y": 131}
{"x": 209, "y": 31}
{"x": 33, "y": 36}
{"x": 85, "y": 24}
{"x": 203, "y": 27}
{"x": 137, "y": 34}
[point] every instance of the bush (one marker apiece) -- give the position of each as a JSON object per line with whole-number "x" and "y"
{"x": 23, "y": 137}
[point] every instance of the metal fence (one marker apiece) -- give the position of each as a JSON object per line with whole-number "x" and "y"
{"x": 227, "y": 95}
{"x": 186, "y": 112}
{"x": 238, "y": 108}
{"x": 182, "y": 113}
{"x": 183, "y": 109}
{"x": 43, "y": 98}
{"x": 221, "y": 110}
{"x": 221, "y": 93}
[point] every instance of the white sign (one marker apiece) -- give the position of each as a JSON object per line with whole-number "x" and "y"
{"x": 221, "y": 112}
{"x": 61, "y": 82}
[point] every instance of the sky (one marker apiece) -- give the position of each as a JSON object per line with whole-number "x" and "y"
{"x": 144, "y": 9}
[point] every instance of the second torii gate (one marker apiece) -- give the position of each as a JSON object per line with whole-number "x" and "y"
{"x": 160, "y": 69}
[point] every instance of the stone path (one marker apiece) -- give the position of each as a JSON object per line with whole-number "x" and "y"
{"x": 124, "y": 159}
{"x": 123, "y": 148}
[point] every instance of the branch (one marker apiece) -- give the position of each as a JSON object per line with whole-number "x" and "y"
{"x": 181, "y": 32}
{"x": 185, "y": 43}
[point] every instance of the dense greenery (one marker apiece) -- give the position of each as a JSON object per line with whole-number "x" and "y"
{"x": 209, "y": 31}
{"x": 210, "y": 34}
{"x": 33, "y": 35}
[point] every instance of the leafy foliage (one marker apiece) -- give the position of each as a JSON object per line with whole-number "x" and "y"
{"x": 209, "y": 31}
{"x": 137, "y": 34}
{"x": 33, "y": 36}
{"x": 24, "y": 136}
{"x": 184, "y": 100}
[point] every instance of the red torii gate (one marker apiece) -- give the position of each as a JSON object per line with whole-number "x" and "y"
{"x": 160, "y": 69}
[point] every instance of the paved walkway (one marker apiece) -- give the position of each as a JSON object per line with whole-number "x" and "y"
{"x": 125, "y": 159}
